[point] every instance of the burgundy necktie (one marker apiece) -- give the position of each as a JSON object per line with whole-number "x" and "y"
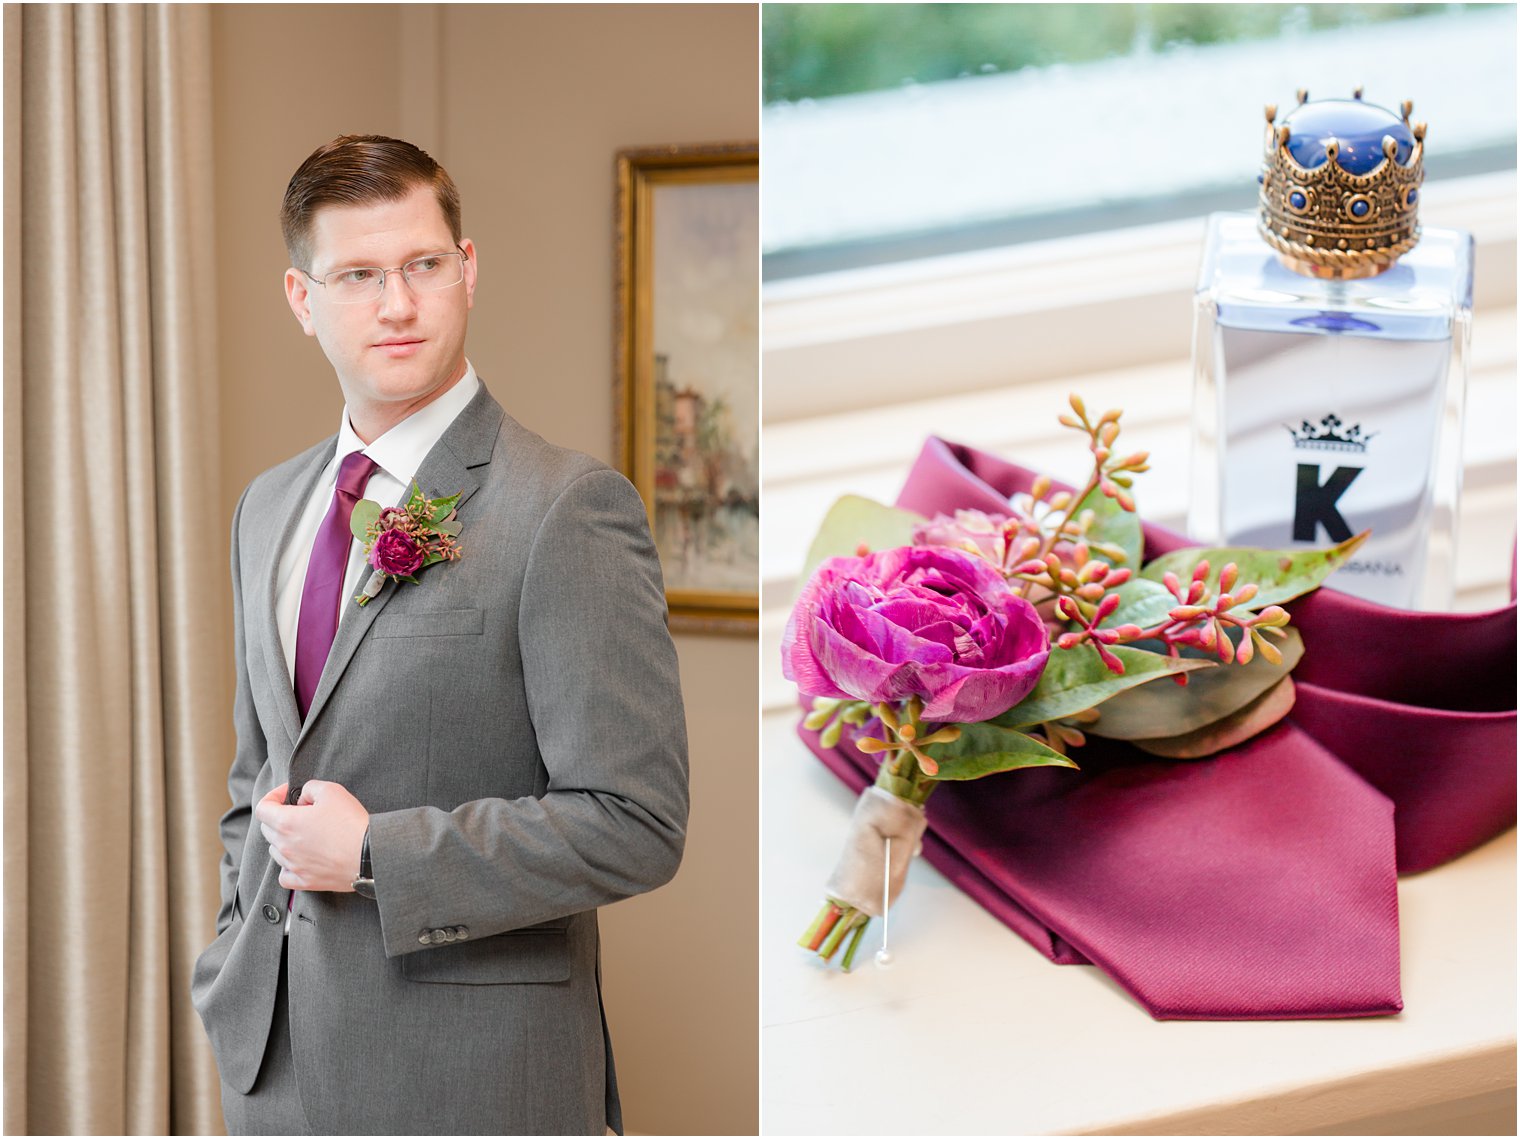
{"x": 1259, "y": 884}
{"x": 321, "y": 596}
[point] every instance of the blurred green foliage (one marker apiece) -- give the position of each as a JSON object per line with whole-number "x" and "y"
{"x": 814, "y": 50}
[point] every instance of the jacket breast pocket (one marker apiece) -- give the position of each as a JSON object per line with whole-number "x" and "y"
{"x": 441, "y": 623}
{"x": 517, "y": 957}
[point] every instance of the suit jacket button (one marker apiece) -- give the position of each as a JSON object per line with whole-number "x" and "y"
{"x": 425, "y": 937}
{"x": 463, "y": 931}
{"x": 448, "y": 933}
{"x": 271, "y": 914}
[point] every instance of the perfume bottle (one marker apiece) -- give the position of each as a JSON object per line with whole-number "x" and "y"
{"x": 1330, "y": 357}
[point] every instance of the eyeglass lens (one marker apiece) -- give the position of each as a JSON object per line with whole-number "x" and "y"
{"x": 424, "y": 274}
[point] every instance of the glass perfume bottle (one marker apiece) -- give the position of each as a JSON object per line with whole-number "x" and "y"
{"x": 1330, "y": 357}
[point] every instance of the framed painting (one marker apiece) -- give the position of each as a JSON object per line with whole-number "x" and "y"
{"x": 688, "y": 371}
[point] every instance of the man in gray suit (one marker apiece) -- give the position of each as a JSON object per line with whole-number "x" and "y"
{"x": 431, "y": 792}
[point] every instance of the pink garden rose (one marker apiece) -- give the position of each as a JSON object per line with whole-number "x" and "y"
{"x": 923, "y": 621}
{"x": 396, "y": 554}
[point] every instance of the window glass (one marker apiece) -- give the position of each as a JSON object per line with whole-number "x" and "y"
{"x": 894, "y": 131}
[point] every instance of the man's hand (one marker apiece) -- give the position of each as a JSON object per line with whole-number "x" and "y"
{"x": 317, "y": 841}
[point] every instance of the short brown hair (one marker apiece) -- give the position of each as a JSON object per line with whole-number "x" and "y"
{"x": 360, "y": 170}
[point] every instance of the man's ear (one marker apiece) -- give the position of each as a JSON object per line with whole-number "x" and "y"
{"x": 298, "y": 295}
{"x": 469, "y": 271}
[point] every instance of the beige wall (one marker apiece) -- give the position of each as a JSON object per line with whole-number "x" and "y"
{"x": 525, "y": 105}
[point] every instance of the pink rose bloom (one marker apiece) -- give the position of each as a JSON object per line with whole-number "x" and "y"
{"x": 389, "y": 516}
{"x": 395, "y": 554}
{"x": 923, "y": 621}
{"x": 985, "y": 535}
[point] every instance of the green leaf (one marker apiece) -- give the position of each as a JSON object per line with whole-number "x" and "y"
{"x": 1115, "y": 525}
{"x": 854, "y": 520}
{"x": 1157, "y": 711}
{"x": 1239, "y": 726}
{"x": 1077, "y": 679}
{"x": 985, "y": 749}
{"x": 1141, "y": 602}
{"x": 1281, "y": 574}
{"x": 366, "y": 514}
{"x": 442, "y": 507}
{"x": 449, "y": 528}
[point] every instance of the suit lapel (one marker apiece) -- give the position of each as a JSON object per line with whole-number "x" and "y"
{"x": 450, "y": 468}
{"x": 267, "y": 621}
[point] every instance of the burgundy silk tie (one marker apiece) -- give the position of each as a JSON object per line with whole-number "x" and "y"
{"x": 321, "y": 596}
{"x": 1258, "y": 884}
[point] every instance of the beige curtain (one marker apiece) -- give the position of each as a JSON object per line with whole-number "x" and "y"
{"x": 117, "y": 644}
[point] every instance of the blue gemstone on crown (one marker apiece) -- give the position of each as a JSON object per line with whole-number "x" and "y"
{"x": 1357, "y": 127}
{"x": 1412, "y": 197}
{"x": 1348, "y": 218}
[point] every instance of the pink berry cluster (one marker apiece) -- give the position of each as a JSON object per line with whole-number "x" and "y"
{"x": 1048, "y": 553}
{"x": 1201, "y": 619}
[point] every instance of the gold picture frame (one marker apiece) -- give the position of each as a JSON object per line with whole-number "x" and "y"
{"x": 687, "y": 371}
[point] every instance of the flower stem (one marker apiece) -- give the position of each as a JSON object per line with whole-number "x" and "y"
{"x": 822, "y": 924}
{"x": 830, "y": 944}
{"x": 849, "y": 952}
{"x": 903, "y": 777}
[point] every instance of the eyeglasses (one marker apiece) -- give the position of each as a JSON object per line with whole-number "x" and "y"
{"x": 367, "y": 282}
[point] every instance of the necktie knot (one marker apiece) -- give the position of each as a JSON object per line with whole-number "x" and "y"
{"x": 354, "y": 473}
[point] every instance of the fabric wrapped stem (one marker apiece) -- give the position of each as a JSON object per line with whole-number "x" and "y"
{"x": 893, "y": 808}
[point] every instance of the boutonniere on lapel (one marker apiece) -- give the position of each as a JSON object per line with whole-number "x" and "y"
{"x": 401, "y": 541}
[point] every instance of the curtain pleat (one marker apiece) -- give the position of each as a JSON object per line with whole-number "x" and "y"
{"x": 16, "y": 782}
{"x": 125, "y": 700}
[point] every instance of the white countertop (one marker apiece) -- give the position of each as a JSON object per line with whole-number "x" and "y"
{"x": 972, "y": 1031}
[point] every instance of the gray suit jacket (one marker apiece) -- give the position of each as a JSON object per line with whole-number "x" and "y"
{"x": 513, "y": 723}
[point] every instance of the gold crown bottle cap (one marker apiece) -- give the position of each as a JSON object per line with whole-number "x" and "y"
{"x": 1340, "y": 186}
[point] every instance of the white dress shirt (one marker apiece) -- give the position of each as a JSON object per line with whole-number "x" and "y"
{"x": 399, "y": 452}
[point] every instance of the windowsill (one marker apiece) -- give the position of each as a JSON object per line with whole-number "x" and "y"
{"x": 1008, "y": 1043}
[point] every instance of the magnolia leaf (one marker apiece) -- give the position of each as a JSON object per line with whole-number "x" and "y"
{"x": 985, "y": 749}
{"x": 1280, "y": 575}
{"x": 449, "y": 528}
{"x": 366, "y": 514}
{"x": 1239, "y": 726}
{"x": 1141, "y": 602}
{"x": 1156, "y": 711}
{"x": 1114, "y": 525}
{"x": 854, "y": 521}
{"x": 1077, "y": 679}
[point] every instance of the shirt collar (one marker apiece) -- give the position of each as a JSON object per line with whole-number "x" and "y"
{"x": 400, "y": 450}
